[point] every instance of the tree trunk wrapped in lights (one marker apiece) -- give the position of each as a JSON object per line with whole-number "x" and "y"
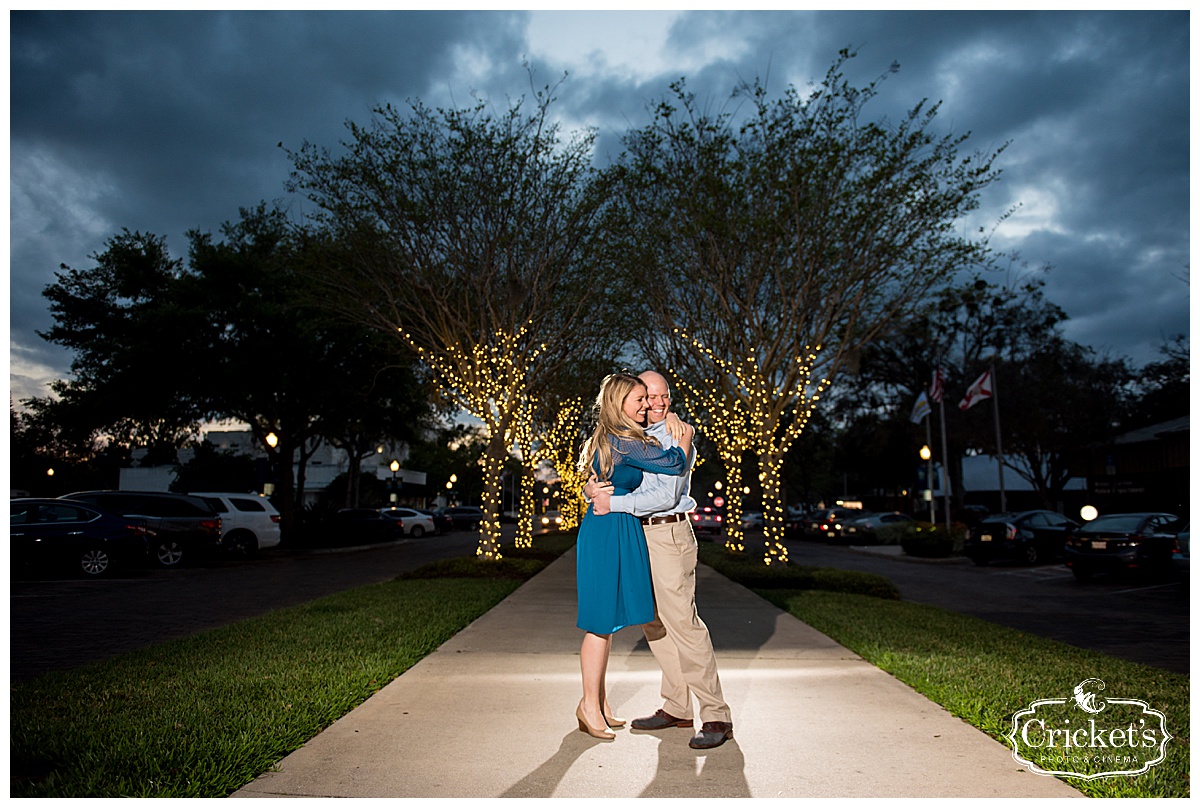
{"x": 473, "y": 238}
{"x": 735, "y": 419}
{"x": 561, "y": 448}
{"x": 780, "y": 244}
{"x": 722, "y": 419}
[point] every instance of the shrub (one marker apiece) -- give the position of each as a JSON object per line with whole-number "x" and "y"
{"x": 929, "y": 541}
{"x": 892, "y": 534}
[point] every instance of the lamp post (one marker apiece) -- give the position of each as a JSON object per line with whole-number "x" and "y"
{"x": 272, "y": 440}
{"x": 927, "y": 456}
{"x": 395, "y": 466}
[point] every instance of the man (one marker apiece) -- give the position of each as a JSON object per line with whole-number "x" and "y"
{"x": 678, "y": 637}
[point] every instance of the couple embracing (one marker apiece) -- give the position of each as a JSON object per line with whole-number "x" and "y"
{"x": 636, "y": 560}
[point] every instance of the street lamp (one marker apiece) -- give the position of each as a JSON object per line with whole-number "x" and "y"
{"x": 272, "y": 439}
{"x": 395, "y": 466}
{"x": 49, "y": 472}
{"x": 927, "y": 456}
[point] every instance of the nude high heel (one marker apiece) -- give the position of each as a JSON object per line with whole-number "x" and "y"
{"x": 613, "y": 723}
{"x": 584, "y": 727}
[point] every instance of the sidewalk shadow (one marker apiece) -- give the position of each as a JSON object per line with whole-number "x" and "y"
{"x": 542, "y": 781}
{"x": 681, "y": 770}
{"x": 686, "y": 772}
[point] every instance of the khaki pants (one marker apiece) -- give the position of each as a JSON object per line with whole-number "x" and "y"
{"x": 678, "y": 637}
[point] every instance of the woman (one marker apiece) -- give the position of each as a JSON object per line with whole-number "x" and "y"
{"x": 612, "y": 570}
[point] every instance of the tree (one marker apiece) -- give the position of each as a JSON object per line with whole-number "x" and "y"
{"x": 128, "y": 333}
{"x": 1163, "y": 388}
{"x": 1058, "y": 398}
{"x": 471, "y": 238}
{"x": 1055, "y": 395}
{"x": 213, "y": 470}
{"x": 160, "y": 346}
{"x": 781, "y": 246}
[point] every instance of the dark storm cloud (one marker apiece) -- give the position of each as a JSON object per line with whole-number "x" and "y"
{"x": 167, "y": 121}
{"x": 1093, "y": 107}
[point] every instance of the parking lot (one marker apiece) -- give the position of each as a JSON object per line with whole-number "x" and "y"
{"x": 64, "y": 623}
{"x": 1146, "y": 621}
{"x": 58, "y": 624}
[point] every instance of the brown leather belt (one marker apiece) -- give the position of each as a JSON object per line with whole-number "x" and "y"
{"x": 663, "y": 520}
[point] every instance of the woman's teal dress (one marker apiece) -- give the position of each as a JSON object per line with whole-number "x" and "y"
{"x": 612, "y": 567}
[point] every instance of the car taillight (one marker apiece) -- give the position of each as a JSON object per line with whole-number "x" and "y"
{"x": 717, "y": 518}
{"x": 695, "y": 517}
{"x": 211, "y": 524}
{"x": 1011, "y": 532}
{"x": 275, "y": 518}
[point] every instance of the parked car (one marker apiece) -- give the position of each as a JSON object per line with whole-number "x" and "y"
{"x": 364, "y": 526}
{"x": 971, "y": 515}
{"x": 181, "y": 528}
{"x": 548, "y": 522}
{"x": 863, "y": 529}
{"x": 249, "y": 523}
{"x": 708, "y": 519}
{"x": 441, "y": 522}
{"x": 1122, "y": 542}
{"x": 753, "y": 520}
{"x": 464, "y": 517}
{"x": 818, "y": 523}
{"x": 1181, "y": 551}
{"x": 56, "y": 533}
{"x": 415, "y": 524}
{"x": 1026, "y": 536}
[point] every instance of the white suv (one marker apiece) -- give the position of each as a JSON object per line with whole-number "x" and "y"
{"x": 249, "y": 522}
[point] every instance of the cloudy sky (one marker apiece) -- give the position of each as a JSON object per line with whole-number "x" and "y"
{"x": 168, "y": 121}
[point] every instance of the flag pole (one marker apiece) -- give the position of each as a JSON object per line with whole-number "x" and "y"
{"x": 999, "y": 450}
{"x": 929, "y": 471}
{"x": 945, "y": 462}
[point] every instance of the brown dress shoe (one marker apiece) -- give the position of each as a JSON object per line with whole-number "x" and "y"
{"x": 660, "y": 720}
{"x": 711, "y": 735}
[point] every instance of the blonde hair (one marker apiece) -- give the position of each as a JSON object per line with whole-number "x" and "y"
{"x": 611, "y": 421}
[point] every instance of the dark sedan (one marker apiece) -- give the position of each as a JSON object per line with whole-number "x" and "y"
{"x": 365, "y": 526}
{"x": 182, "y": 528}
{"x": 864, "y": 529}
{"x": 441, "y": 523}
{"x": 1123, "y": 542}
{"x": 464, "y": 517}
{"x": 818, "y": 524}
{"x": 1027, "y": 536}
{"x": 54, "y": 533}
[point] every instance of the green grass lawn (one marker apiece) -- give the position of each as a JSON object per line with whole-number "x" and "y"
{"x": 979, "y": 671}
{"x": 203, "y": 716}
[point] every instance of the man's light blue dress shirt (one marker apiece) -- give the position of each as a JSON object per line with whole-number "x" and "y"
{"x": 659, "y": 494}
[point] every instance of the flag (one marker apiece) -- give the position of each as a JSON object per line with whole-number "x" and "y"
{"x": 981, "y": 389}
{"x": 921, "y": 408}
{"x": 936, "y": 389}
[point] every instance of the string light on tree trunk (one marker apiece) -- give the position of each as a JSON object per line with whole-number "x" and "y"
{"x": 747, "y": 411}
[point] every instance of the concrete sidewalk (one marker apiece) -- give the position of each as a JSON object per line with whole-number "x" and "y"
{"x": 492, "y": 714}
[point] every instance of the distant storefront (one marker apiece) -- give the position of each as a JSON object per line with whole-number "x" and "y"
{"x": 1146, "y": 469}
